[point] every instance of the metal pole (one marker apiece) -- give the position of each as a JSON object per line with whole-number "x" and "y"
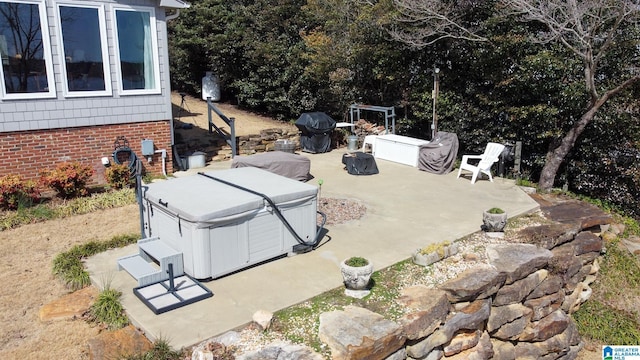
{"x": 139, "y": 198}
{"x": 436, "y": 88}
{"x": 209, "y": 114}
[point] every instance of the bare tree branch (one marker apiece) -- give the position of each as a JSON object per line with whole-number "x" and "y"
{"x": 586, "y": 28}
{"x": 425, "y": 22}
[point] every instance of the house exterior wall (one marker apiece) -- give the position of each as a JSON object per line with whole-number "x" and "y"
{"x": 27, "y": 153}
{"x": 41, "y": 133}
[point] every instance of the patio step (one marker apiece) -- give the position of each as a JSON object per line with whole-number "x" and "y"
{"x": 142, "y": 266}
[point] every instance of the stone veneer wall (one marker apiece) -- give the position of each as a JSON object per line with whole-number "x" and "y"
{"x": 517, "y": 306}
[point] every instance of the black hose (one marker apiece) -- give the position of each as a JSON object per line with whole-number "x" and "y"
{"x": 306, "y": 245}
{"x": 135, "y": 167}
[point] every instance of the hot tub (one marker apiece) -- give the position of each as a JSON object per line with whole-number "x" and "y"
{"x": 398, "y": 148}
{"x": 219, "y": 228}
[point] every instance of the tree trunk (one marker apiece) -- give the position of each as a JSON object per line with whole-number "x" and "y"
{"x": 556, "y": 156}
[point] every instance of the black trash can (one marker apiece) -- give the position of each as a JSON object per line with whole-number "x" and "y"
{"x": 315, "y": 131}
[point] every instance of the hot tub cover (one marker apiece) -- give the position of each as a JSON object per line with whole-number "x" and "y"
{"x": 439, "y": 155}
{"x": 199, "y": 199}
{"x": 293, "y": 166}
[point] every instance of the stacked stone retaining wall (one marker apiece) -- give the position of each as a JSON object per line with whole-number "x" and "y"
{"x": 518, "y": 305}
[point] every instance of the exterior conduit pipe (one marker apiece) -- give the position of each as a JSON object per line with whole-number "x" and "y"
{"x": 164, "y": 161}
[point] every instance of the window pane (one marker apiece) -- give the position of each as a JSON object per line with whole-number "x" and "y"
{"x": 82, "y": 48}
{"x": 22, "y": 49}
{"x": 136, "y": 49}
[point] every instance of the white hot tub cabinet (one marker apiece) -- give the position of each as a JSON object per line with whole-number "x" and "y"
{"x": 220, "y": 229}
{"x": 398, "y": 148}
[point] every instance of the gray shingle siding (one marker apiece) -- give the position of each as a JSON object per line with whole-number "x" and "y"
{"x": 40, "y": 114}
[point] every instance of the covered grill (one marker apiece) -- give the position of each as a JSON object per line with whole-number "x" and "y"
{"x": 315, "y": 131}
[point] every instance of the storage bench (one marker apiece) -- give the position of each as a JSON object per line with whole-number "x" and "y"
{"x": 398, "y": 148}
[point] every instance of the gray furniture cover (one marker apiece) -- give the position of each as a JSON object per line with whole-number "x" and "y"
{"x": 293, "y": 166}
{"x": 439, "y": 155}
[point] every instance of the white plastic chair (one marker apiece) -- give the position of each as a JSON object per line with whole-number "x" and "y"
{"x": 491, "y": 155}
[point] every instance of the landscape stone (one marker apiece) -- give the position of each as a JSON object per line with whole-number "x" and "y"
{"x": 425, "y": 348}
{"x": 357, "y": 333}
{"x": 281, "y": 351}
{"x": 632, "y": 243}
{"x": 573, "y": 352}
{"x": 398, "y": 355}
{"x": 516, "y": 292}
{"x": 117, "y": 344}
{"x": 503, "y": 350}
{"x": 577, "y": 278}
{"x": 549, "y": 235}
{"x": 581, "y": 213}
{"x": 573, "y": 301}
{"x": 586, "y": 242}
{"x": 552, "y": 348}
{"x": 69, "y": 306}
{"x": 478, "y": 282}
{"x": 564, "y": 262}
{"x": 517, "y": 260}
{"x": 263, "y": 318}
{"x": 588, "y": 258}
{"x": 549, "y": 326}
{"x": 426, "y": 307}
{"x": 545, "y": 305}
{"x": 470, "y": 318}
{"x": 511, "y": 330}
{"x": 482, "y": 351}
{"x": 550, "y": 285}
{"x": 462, "y": 341}
{"x": 501, "y": 315}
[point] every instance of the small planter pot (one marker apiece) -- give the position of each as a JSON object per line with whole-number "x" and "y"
{"x": 494, "y": 222}
{"x": 425, "y": 259}
{"x": 356, "y": 278}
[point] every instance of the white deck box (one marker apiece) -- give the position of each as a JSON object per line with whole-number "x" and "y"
{"x": 398, "y": 148}
{"x": 221, "y": 229}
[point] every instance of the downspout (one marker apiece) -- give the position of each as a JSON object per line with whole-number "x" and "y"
{"x": 171, "y": 124}
{"x": 173, "y": 16}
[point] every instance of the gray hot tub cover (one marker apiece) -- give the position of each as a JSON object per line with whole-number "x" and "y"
{"x": 439, "y": 155}
{"x": 282, "y": 163}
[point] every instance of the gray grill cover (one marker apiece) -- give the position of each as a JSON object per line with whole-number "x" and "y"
{"x": 439, "y": 155}
{"x": 293, "y": 166}
{"x": 199, "y": 199}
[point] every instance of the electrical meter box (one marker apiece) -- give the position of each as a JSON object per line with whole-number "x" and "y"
{"x": 147, "y": 147}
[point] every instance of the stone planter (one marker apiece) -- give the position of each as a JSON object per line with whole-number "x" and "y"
{"x": 493, "y": 222}
{"x": 356, "y": 278}
{"x": 425, "y": 259}
{"x": 434, "y": 253}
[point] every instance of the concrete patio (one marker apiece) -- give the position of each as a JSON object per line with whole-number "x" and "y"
{"x": 406, "y": 210}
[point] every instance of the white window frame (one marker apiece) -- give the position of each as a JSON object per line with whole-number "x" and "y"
{"x": 154, "y": 48}
{"x": 46, "y": 52}
{"x": 106, "y": 68}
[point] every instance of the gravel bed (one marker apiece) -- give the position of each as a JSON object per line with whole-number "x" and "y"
{"x": 340, "y": 211}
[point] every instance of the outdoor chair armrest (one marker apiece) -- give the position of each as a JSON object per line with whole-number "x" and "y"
{"x": 466, "y": 157}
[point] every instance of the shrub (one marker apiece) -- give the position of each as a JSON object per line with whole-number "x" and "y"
{"x": 357, "y": 261}
{"x": 108, "y": 310}
{"x": 495, "y": 210}
{"x": 16, "y": 192}
{"x": 68, "y": 179}
{"x": 119, "y": 176}
{"x": 68, "y": 265}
